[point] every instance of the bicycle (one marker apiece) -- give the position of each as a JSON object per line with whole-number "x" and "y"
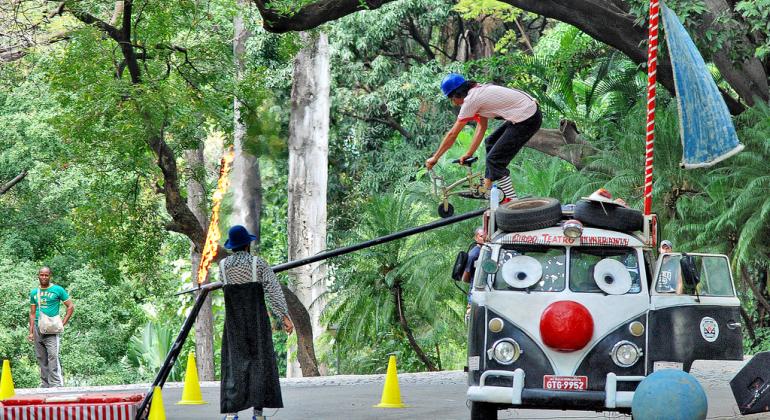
{"x": 471, "y": 184}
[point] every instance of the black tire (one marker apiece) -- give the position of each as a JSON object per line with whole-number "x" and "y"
{"x": 609, "y": 216}
{"x": 483, "y": 411}
{"x": 445, "y": 212}
{"x": 528, "y": 214}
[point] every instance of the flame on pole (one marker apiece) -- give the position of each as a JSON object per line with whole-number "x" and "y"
{"x": 652, "y": 67}
{"x": 211, "y": 245}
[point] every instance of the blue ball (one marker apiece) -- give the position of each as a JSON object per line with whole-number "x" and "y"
{"x": 669, "y": 394}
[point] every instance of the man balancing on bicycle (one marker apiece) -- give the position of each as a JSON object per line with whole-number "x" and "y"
{"x": 480, "y": 102}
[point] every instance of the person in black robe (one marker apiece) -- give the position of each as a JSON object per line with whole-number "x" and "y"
{"x": 249, "y": 368}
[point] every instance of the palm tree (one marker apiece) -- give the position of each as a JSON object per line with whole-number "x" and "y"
{"x": 399, "y": 286}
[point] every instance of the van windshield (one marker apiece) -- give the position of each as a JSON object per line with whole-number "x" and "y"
{"x": 583, "y": 260}
{"x": 546, "y": 266}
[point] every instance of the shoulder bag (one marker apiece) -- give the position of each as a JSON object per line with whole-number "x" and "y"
{"x": 48, "y": 324}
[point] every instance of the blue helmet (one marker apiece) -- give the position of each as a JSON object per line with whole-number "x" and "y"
{"x": 451, "y": 82}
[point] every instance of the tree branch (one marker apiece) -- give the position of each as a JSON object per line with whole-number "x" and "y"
{"x": 122, "y": 36}
{"x": 564, "y": 143}
{"x": 418, "y": 38}
{"x": 105, "y": 27}
{"x": 183, "y": 219}
{"x": 313, "y": 14}
{"x": 608, "y": 21}
{"x": 408, "y": 331}
{"x": 387, "y": 121}
{"x": 4, "y": 189}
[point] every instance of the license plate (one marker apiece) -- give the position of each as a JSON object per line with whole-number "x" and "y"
{"x": 565, "y": 383}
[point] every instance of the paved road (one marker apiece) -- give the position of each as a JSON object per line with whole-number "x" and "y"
{"x": 437, "y": 395}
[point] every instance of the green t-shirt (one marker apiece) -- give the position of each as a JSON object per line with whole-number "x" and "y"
{"x": 50, "y": 300}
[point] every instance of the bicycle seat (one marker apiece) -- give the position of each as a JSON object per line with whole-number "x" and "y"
{"x": 468, "y": 162}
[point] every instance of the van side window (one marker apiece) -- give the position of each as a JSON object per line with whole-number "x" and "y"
{"x": 712, "y": 270}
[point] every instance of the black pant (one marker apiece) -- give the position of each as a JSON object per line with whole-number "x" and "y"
{"x": 505, "y": 142}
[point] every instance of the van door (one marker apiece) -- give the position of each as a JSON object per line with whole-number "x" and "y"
{"x": 694, "y": 312}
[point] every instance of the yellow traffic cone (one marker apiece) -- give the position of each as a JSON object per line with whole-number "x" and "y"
{"x": 191, "y": 394}
{"x": 6, "y": 382}
{"x": 157, "y": 412}
{"x": 391, "y": 395}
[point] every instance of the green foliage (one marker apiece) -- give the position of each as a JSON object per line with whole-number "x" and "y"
{"x": 89, "y": 207}
{"x": 470, "y": 9}
{"x": 757, "y": 14}
{"x": 147, "y": 352}
{"x": 363, "y": 301}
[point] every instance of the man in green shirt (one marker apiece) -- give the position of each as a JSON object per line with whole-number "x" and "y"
{"x": 50, "y": 296}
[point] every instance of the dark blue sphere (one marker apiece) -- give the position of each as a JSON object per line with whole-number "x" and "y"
{"x": 669, "y": 394}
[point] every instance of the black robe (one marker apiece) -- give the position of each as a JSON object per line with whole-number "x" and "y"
{"x": 249, "y": 369}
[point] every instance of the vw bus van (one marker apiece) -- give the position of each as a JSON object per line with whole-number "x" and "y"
{"x": 572, "y": 311}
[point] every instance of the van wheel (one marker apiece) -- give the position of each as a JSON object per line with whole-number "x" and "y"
{"x": 528, "y": 214}
{"x": 483, "y": 411}
{"x": 609, "y": 216}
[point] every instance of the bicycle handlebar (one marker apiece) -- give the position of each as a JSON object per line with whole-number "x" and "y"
{"x": 468, "y": 162}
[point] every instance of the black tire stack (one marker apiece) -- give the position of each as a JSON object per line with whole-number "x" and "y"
{"x": 539, "y": 213}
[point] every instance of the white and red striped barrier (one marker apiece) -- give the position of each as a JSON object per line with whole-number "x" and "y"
{"x": 71, "y": 407}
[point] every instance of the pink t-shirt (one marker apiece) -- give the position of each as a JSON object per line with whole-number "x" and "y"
{"x": 492, "y": 101}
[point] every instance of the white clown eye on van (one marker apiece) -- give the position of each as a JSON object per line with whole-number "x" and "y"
{"x": 505, "y": 351}
{"x": 522, "y": 271}
{"x": 625, "y": 353}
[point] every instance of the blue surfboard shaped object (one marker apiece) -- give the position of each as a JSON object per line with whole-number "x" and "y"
{"x": 705, "y": 125}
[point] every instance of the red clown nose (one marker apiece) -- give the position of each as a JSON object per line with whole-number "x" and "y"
{"x": 566, "y": 326}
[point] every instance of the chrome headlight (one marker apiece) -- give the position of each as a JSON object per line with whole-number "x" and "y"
{"x": 505, "y": 351}
{"x": 625, "y": 353}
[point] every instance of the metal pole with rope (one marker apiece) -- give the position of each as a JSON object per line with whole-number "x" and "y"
{"x": 652, "y": 67}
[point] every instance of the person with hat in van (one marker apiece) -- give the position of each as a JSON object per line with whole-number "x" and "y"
{"x": 249, "y": 368}
{"x": 670, "y": 277}
{"x": 479, "y": 102}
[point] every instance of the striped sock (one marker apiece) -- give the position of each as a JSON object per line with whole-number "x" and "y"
{"x": 505, "y": 184}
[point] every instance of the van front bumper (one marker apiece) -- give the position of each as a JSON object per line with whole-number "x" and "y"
{"x": 608, "y": 399}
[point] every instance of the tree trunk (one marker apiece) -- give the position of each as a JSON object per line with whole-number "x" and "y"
{"x": 301, "y": 319}
{"x": 246, "y": 181}
{"x": 308, "y": 175}
{"x": 747, "y": 77}
{"x": 8, "y": 185}
{"x": 565, "y": 143}
{"x": 204, "y": 323}
{"x": 408, "y": 331}
{"x": 760, "y": 299}
{"x": 749, "y": 326}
